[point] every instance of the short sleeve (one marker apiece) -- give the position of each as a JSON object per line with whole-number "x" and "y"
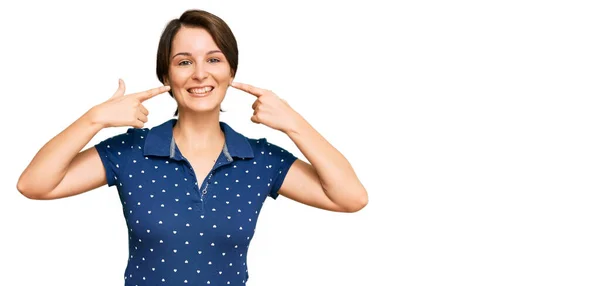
{"x": 112, "y": 152}
{"x": 279, "y": 161}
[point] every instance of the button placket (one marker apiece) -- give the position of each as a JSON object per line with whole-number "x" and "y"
{"x": 205, "y": 189}
{"x": 196, "y": 187}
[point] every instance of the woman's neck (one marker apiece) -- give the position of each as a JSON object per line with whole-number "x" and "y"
{"x": 198, "y": 133}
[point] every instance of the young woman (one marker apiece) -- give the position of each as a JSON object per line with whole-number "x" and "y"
{"x": 192, "y": 187}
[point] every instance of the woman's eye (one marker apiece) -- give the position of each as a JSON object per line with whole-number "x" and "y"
{"x": 214, "y": 60}
{"x": 184, "y": 62}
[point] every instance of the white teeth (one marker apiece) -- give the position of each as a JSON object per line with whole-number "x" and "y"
{"x": 201, "y": 90}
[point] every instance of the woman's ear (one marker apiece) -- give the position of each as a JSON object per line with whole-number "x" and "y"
{"x": 232, "y": 75}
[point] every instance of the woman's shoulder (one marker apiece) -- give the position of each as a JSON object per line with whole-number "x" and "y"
{"x": 269, "y": 149}
{"x": 128, "y": 139}
{"x": 261, "y": 146}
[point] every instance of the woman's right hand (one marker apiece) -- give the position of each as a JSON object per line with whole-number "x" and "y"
{"x": 124, "y": 110}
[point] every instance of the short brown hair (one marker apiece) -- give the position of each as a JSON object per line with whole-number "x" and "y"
{"x": 215, "y": 26}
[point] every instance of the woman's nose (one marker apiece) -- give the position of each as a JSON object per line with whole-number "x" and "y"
{"x": 200, "y": 72}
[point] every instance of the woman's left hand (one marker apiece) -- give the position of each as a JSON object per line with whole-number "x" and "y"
{"x": 270, "y": 109}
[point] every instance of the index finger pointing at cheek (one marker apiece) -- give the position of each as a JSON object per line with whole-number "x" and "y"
{"x": 248, "y": 88}
{"x": 145, "y": 95}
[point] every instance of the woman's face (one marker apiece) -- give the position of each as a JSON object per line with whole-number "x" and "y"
{"x": 199, "y": 74}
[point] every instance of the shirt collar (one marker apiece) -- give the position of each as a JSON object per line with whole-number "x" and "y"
{"x": 160, "y": 142}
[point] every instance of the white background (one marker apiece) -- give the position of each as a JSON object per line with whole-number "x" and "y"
{"x": 473, "y": 125}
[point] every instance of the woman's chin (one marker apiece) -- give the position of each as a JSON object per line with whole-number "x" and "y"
{"x": 203, "y": 108}
{"x": 201, "y": 105}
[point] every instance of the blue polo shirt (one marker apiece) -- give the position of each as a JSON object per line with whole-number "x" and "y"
{"x": 185, "y": 230}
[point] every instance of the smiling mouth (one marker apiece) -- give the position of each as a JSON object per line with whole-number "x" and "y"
{"x": 201, "y": 91}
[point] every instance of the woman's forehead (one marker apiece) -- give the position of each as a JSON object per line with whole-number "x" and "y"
{"x": 196, "y": 41}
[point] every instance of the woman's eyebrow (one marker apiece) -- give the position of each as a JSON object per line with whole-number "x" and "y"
{"x": 189, "y": 54}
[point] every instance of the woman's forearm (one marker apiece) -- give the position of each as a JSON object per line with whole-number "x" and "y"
{"x": 338, "y": 179}
{"x": 49, "y": 166}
